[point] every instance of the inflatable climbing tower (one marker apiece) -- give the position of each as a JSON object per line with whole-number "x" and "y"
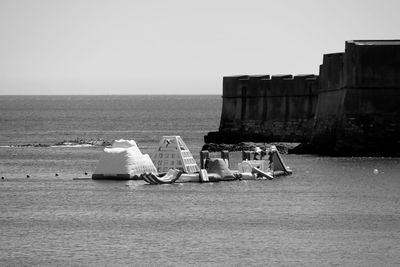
{"x": 172, "y": 153}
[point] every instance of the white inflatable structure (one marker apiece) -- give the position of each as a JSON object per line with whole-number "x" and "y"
{"x": 123, "y": 161}
{"x": 172, "y": 153}
{"x": 217, "y": 169}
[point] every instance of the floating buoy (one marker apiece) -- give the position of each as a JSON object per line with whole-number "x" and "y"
{"x": 85, "y": 173}
{"x": 27, "y": 176}
{"x": 375, "y": 171}
{"x": 2, "y": 177}
{"x": 56, "y": 174}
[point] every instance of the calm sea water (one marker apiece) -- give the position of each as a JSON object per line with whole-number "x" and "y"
{"x": 331, "y": 211}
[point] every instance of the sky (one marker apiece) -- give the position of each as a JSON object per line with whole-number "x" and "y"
{"x": 174, "y": 47}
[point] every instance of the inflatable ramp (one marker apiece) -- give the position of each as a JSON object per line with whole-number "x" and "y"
{"x": 278, "y": 163}
{"x": 168, "y": 178}
{"x": 274, "y": 166}
{"x": 261, "y": 173}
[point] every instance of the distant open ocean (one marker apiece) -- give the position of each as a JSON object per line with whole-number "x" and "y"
{"x": 331, "y": 211}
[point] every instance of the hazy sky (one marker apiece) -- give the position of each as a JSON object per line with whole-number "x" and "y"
{"x": 174, "y": 47}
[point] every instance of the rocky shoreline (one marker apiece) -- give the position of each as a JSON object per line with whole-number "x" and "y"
{"x": 69, "y": 143}
{"x": 283, "y": 148}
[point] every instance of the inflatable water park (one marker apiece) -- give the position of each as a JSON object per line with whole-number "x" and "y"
{"x": 172, "y": 162}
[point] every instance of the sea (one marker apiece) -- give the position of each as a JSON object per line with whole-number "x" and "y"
{"x": 332, "y": 211}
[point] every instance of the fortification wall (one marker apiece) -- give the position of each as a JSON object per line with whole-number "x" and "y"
{"x": 371, "y": 112}
{"x": 329, "y": 106}
{"x": 261, "y": 107}
{"x": 353, "y": 108}
{"x": 358, "y": 110}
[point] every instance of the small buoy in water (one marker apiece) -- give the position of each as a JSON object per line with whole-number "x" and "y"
{"x": 27, "y": 176}
{"x": 85, "y": 173}
{"x": 2, "y": 177}
{"x": 56, "y": 174}
{"x": 376, "y": 171}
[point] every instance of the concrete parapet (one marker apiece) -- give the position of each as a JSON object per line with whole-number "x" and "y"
{"x": 373, "y": 63}
{"x": 280, "y": 85}
{"x": 306, "y": 76}
{"x": 305, "y": 84}
{"x": 331, "y": 72}
{"x": 282, "y": 77}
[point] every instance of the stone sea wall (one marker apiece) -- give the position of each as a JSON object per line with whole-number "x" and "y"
{"x": 281, "y": 107}
{"x": 351, "y": 108}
